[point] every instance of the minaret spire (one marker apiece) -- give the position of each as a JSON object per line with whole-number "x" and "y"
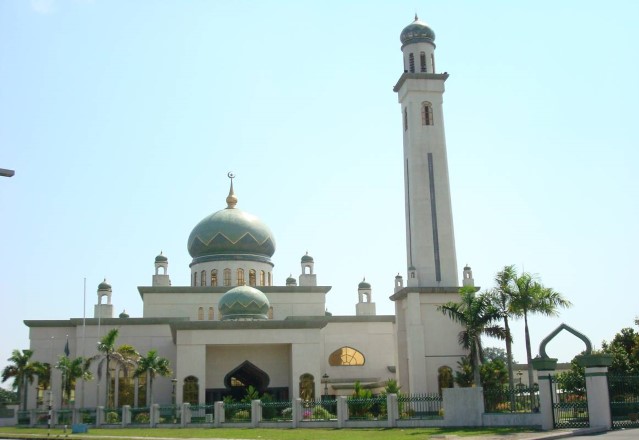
{"x": 231, "y": 199}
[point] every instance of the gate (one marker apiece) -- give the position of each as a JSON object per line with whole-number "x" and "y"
{"x": 569, "y": 407}
{"x": 624, "y": 400}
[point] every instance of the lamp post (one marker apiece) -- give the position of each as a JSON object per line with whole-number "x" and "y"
{"x": 519, "y": 374}
{"x": 325, "y": 377}
{"x": 174, "y": 399}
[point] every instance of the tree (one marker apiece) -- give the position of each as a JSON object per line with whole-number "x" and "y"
{"x": 124, "y": 356}
{"x": 153, "y": 365}
{"x": 73, "y": 369}
{"x": 492, "y": 353}
{"x": 494, "y": 374}
{"x": 501, "y": 297}
{"x": 464, "y": 374}
{"x": 476, "y": 314}
{"x": 624, "y": 349}
{"x": 529, "y": 296}
{"x": 22, "y": 371}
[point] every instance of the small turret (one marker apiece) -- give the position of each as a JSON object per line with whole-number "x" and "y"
{"x": 399, "y": 283}
{"x": 308, "y": 278}
{"x": 365, "y": 306}
{"x": 104, "y": 310}
{"x": 467, "y": 277}
{"x": 161, "y": 277}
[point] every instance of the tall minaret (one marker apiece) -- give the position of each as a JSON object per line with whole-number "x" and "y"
{"x": 427, "y": 341}
{"x": 430, "y": 241}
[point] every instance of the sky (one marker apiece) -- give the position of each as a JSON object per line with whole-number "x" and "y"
{"x": 122, "y": 119}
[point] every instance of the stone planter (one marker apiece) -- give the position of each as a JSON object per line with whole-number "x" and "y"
{"x": 594, "y": 360}
{"x": 544, "y": 364}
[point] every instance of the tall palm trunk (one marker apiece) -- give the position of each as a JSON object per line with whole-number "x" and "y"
{"x": 529, "y": 357}
{"x": 509, "y": 361}
{"x": 23, "y": 391}
{"x": 108, "y": 381}
{"x": 150, "y": 390}
{"x": 477, "y": 366}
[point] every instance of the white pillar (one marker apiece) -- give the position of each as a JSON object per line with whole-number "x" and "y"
{"x": 598, "y": 397}
{"x": 545, "y": 379}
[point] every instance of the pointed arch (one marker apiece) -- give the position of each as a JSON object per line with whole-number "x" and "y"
{"x": 191, "y": 390}
{"x": 247, "y": 374}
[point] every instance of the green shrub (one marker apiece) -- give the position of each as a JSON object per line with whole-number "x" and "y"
{"x": 143, "y": 417}
{"x": 112, "y": 417}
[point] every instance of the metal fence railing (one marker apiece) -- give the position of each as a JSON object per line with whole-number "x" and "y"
{"x": 237, "y": 412}
{"x": 505, "y": 400}
{"x": 316, "y": 410}
{"x": 202, "y": 413}
{"x": 624, "y": 400}
{"x": 170, "y": 414}
{"x": 113, "y": 416}
{"x": 87, "y": 415}
{"x": 420, "y": 406}
{"x": 277, "y": 411}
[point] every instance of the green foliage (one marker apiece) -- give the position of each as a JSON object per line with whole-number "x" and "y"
{"x": 321, "y": 413}
{"x": 228, "y": 401}
{"x": 251, "y": 394}
{"x": 464, "y": 374}
{"x": 494, "y": 374}
{"x": 143, "y": 417}
{"x": 124, "y": 356}
{"x": 7, "y": 396}
{"x": 492, "y": 353}
{"x": 112, "y": 417}
{"x": 477, "y": 315}
{"x": 624, "y": 349}
{"x": 360, "y": 402}
{"x": 574, "y": 380}
{"x": 153, "y": 365}
{"x": 22, "y": 371}
{"x": 73, "y": 369}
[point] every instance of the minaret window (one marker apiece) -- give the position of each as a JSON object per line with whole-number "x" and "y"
{"x": 269, "y": 278}
{"x": 262, "y": 277}
{"x": 203, "y": 278}
{"x": 240, "y": 277}
{"x": 194, "y": 278}
{"x": 200, "y": 314}
{"x": 252, "y": 276}
{"x": 214, "y": 277}
{"x": 270, "y": 312}
{"x": 432, "y": 62}
{"x": 405, "y": 118}
{"x": 427, "y": 113}
{"x": 211, "y": 314}
{"x": 411, "y": 63}
{"x": 422, "y": 62}
{"x": 227, "y": 277}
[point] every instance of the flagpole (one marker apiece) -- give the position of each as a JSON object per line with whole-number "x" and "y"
{"x": 84, "y": 335}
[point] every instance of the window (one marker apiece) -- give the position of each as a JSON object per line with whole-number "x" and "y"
{"x": 203, "y": 278}
{"x": 194, "y": 278}
{"x": 307, "y": 387}
{"x": 227, "y": 277}
{"x": 141, "y": 391}
{"x": 432, "y": 62}
{"x": 191, "y": 390}
{"x": 200, "y": 314}
{"x": 126, "y": 387}
{"x": 214, "y": 277}
{"x": 252, "y": 277}
{"x": 262, "y": 277}
{"x": 346, "y": 356}
{"x": 270, "y": 312}
{"x": 422, "y": 62}
{"x": 427, "y": 113}
{"x": 405, "y": 118}
{"x": 240, "y": 277}
{"x": 269, "y": 278}
{"x": 211, "y": 314}
{"x": 411, "y": 63}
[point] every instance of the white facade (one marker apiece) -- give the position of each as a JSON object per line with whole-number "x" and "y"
{"x": 222, "y": 335}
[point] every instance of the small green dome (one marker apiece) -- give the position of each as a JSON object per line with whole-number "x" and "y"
{"x": 364, "y": 284}
{"x": 231, "y": 231}
{"x": 161, "y": 258}
{"x": 104, "y": 285}
{"x": 417, "y": 32}
{"x": 243, "y": 302}
{"x": 124, "y": 314}
{"x": 290, "y": 280}
{"x": 307, "y": 258}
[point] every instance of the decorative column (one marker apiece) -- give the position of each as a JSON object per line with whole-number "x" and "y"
{"x": 545, "y": 371}
{"x": 597, "y": 393}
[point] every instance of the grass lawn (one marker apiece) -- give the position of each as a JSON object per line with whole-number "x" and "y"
{"x": 266, "y": 434}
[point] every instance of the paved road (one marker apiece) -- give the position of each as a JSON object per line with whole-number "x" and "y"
{"x": 619, "y": 434}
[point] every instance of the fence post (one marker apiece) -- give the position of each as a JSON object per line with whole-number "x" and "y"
{"x": 186, "y": 414}
{"x": 126, "y": 415}
{"x": 256, "y": 413}
{"x": 392, "y": 410}
{"x": 342, "y": 411}
{"x": 218, "y": 414}
{"x": 99, "y": 416}
{"x": 297, "y": 413}
{"x": 155, "y": 415}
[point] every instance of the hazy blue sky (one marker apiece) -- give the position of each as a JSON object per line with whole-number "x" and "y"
{"x": 122, "y": 119}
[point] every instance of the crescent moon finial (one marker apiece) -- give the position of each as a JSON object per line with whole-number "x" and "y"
{"x": 231, "y": 200}
{"x": 230, "y": 175}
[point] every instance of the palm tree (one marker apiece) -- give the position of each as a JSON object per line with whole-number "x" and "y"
{"x": 125, "y": 356}
{"x": 476, "y": 314}
{"x": 501, "y": 297}
{"x": 154, "y": 365}
{"x": 529, "y": 296}
{"x": 43, "y": 371}
{"x": 22, "y": 371}
{"x": 73, "y": 369}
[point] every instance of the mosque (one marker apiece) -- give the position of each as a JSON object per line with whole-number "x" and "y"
{"x": 231, "y": 327}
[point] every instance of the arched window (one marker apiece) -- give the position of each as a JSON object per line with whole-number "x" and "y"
{"x": 422, "y": 62}
{"x": 405, "y": 118}
{"x": 126, "y": 388}
{"x": 252, "y": 277}
{"x": 411, "y": 63}
{"x": 240, "y": 277}
{"x": 203, "y": 278}
{"x": 346, "y": 356}
{"x": 214, "y": 277}
{"x": 432, "y": 62}
{"x": 200, "y": 314}
{"x": 211, "y": 314}
{"x": 142, "y": 388}
{"x": 269, "y": 278}
{"x": 427, "y": 113}
{"x": 307, "y": 387}
{"x": 191, "y": 390}
{"x": 227, "y": 277}
{"x": 194, "y": 278}
{"x": 445, "y": 378}
{"x": 262, "y": 277}
{"x": 270, "y": 312}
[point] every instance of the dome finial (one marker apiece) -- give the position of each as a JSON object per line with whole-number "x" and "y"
{"x": 416, "y": 17}
{"x": 231, "y": 199}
